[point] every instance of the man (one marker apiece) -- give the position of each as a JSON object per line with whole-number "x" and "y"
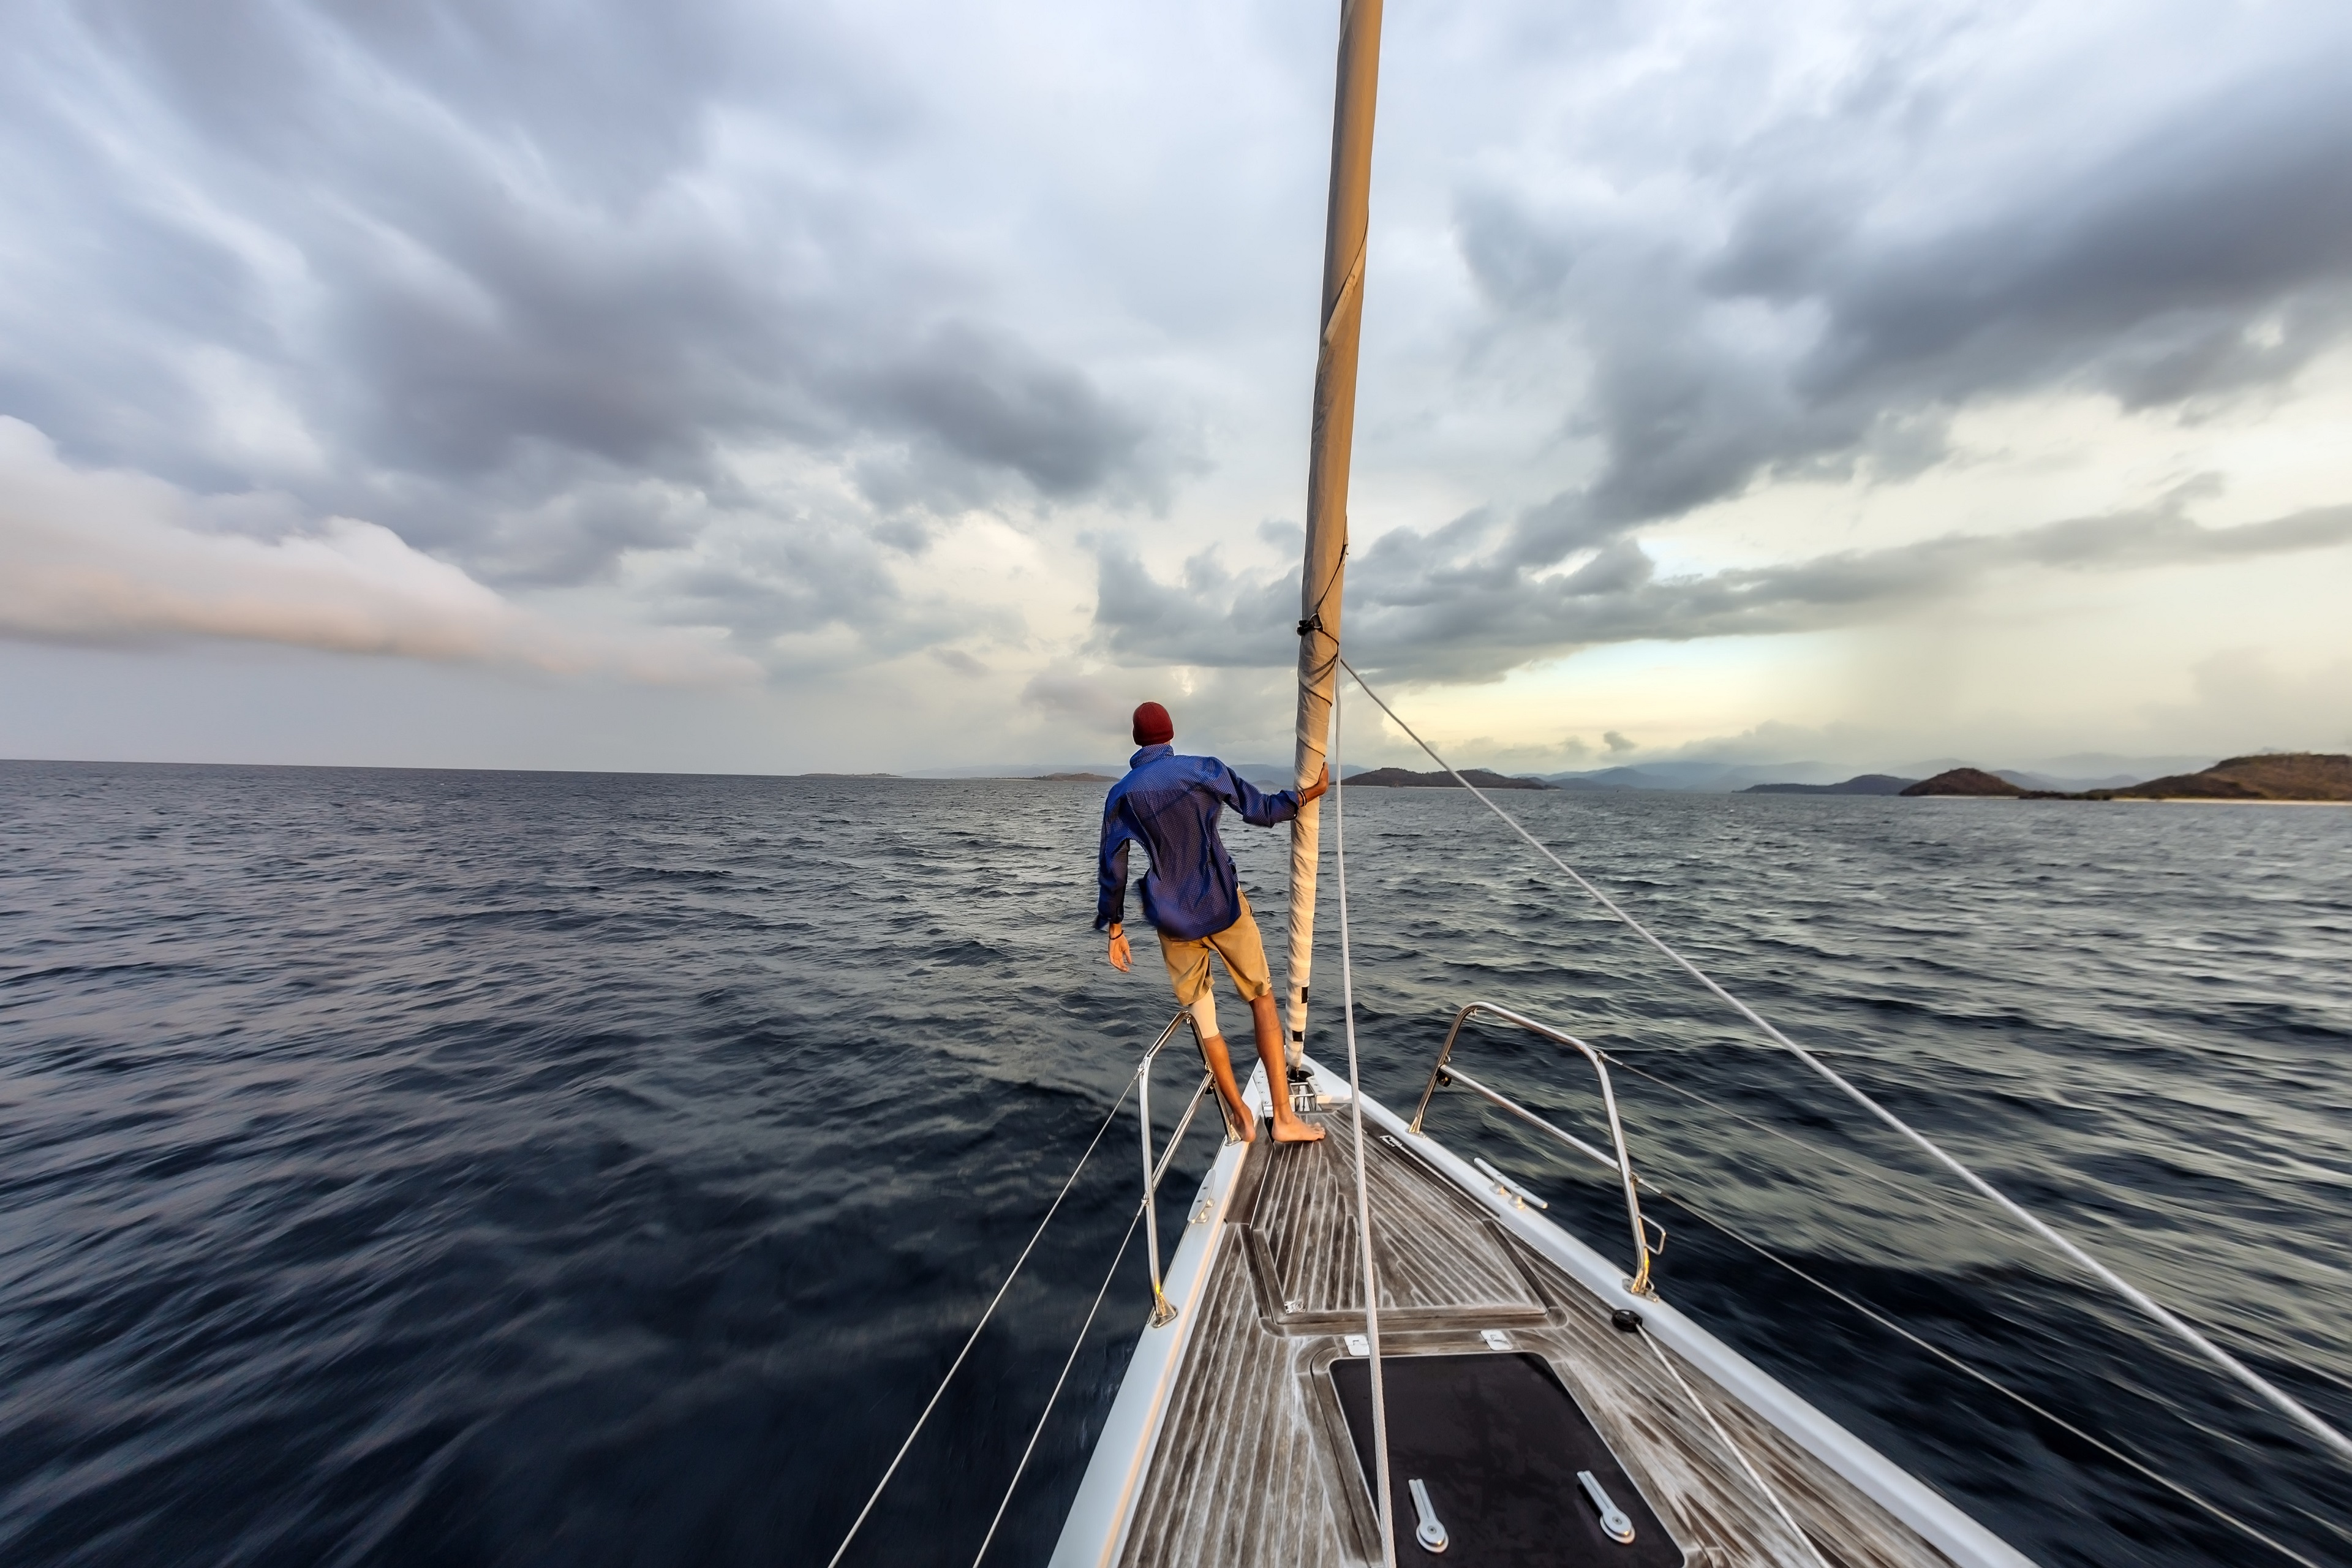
{"x": 1170, "y": 804}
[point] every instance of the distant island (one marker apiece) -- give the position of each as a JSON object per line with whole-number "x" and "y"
{"x": 1964, "y": 782}
{"x": 2276, "y": 777}
{"x": 1862, "y": 783}
{"x": 2273, "y": 776}
{"x": 1076, "y": 778}
{"x": 1405, "y": 778}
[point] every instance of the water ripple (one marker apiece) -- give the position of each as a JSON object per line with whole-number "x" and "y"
{"x": 410, "y": 1166}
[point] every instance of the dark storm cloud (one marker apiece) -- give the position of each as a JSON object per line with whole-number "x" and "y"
{"x": 1412, "y": 615}
{"x": 526, "y": 281}
{"x": 988, "y": 399}
{"x": 1853, "y": 282}
{"x": 477, "y": 251}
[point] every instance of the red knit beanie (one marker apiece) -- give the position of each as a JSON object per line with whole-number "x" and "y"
{"x": 1152, "y": 725}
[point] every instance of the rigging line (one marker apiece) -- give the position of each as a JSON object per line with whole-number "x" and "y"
{"x": 1995, "y": 1385}
{"x": 1951, "y": 1204}
{"x": 2287, "y": 1403}
{"x": 1075, "y": 1345}
{"x": 896, "y": 1459}
{"x": 1737, "y": 1452}
{"x": 1363, "y": 1187}
{"x": 1683, "y": 1199}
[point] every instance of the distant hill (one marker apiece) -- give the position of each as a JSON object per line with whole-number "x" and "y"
{"x": 1076, "y": 778}
{"x": 1405, "y": 778}
{"x": 1964, "y": 782}
{"x": 1862, "y": 783}
{"x": 2278, "y": 776}
{"x": 1709, "y": 777}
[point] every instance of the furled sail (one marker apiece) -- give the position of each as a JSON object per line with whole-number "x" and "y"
{"x": 1329, "y": 448}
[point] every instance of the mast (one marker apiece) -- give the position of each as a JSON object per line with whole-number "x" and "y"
{"x": 1329, "y": 450}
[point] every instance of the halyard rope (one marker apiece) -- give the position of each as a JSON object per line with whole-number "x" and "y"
{"x": 1363, "y": 1189}
{"x": 1071, "y": 1359}
{"x": 859, "y": 1522}
{"x": 2285, "y": 1402}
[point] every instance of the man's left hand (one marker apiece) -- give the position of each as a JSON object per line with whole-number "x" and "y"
{"x": 1122, "y": 957}
{"x": 1314, "y": 790}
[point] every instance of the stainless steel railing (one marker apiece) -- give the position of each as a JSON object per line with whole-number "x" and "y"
{"x": 1164, "y": 1310}
{"x": 1444, "y": 1073}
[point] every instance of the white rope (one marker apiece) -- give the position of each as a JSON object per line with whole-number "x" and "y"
{"x": 1761, "y": 1485}
{"x": 1363, "y": 1188}
{"x": 2279, "y": 1397}
{"x": 859, "y": 1522}
{"x": 1068, "y": 1362}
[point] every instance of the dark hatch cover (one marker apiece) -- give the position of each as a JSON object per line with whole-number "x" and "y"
{"x": 1498, "y": 1441}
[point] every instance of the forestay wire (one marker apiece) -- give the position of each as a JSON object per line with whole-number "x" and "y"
{"x": 2285, "y": 1402}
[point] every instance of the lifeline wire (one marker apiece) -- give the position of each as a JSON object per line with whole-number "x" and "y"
{"x": 1363, "y": 1190}
{"x": 1865, "y": 1308}
{"x": 859, "y": 1522}
{"x": 1994, "y": 1384}
{"x": 1724, "y": 1437}
{"x": 1948, "y": 1203}
{"x": 1068, "y": 1362}
{"x": 2285, "y": 1401}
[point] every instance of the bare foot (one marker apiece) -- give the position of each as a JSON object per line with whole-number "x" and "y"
{"x": 1240, "y": 1125}
{"x": 1291, "y": 1130}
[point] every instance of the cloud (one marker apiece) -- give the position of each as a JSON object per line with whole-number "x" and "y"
{"x": 1423, "y": 606}
{"x": 842, "y": 336}
{"x": 1094, "y": 702}
{"x": 114, "y": 558}
{"x": 1813, "y": 284}
{"x": 2240, "y": 700}
{"x": 539, "y": 293}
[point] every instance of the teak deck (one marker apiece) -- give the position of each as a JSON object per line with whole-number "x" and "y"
{"x": 1252, "y": 1467}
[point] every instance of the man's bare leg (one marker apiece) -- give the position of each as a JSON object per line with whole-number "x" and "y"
{"x": 1221, "y": 1069}
{"x": 1287, "y": 1127}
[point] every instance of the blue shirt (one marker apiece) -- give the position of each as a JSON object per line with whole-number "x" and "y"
{"x": 1170, "y": 804}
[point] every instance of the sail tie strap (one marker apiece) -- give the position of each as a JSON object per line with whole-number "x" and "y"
{"x": 998, "y": 1300}
{"x": 2285, "y": 1402}
{"x": 1363, "y": 1185}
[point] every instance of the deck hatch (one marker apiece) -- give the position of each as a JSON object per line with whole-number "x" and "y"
{"x": 1498, "y": 1441}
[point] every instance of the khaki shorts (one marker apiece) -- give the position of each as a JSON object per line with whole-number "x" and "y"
{"x": 1237, "y": 944}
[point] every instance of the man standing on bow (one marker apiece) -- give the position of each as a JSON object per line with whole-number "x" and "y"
{"x": 1170, "y": 804}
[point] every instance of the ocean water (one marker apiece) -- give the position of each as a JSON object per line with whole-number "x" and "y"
{"x": 494, "y": 1168}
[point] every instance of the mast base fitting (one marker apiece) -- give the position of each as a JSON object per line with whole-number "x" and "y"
{"x": 1625, "y": 1320}
{"x": 1302, "y": 1096}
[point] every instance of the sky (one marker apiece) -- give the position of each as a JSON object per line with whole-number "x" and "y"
{"x": 781, "y": 387}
